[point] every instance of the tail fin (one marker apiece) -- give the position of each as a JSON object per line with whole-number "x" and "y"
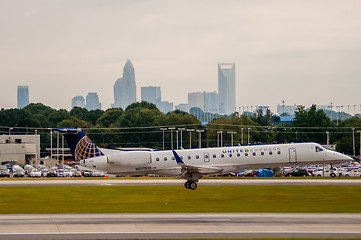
{"x": 80, "y": 145}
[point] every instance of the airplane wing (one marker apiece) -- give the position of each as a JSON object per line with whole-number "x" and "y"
{"x": 190, "y": 169}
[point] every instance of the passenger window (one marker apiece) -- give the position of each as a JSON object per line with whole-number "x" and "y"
{"x": 238, "y": 154}
{"x": 157, "y": 159}
{"x": 246, "y": 154}
{"x": 214, "y": 155}
{"x": 262, "y": 153}
{"x": 181, "y": 157}
{"x": 197, "y": 157}
{"x": 254, "y": 154}
{"x": 270, "y": 153}
{"x": 278, "y": 152}
{"x": 222, "y": 155}
{"x": 189, "y": 157}
{"x": 230, "y": 155}
{"x": 165, "y": 158}
{"x": 173, "y": 158}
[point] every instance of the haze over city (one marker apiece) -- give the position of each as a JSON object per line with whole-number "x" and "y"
{"x": 303, "y": 52}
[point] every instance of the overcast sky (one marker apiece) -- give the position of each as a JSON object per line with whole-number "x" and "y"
{"x": 299, "y": 51}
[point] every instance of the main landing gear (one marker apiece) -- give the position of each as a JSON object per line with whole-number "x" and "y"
{"x": 190, "y": 184}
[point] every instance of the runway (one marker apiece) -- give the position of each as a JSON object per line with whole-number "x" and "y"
{"x": 186, "y": 225}
{"x": 142, "y": 182}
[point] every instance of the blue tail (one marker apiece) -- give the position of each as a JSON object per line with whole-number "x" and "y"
{"x": 80, "y": 145}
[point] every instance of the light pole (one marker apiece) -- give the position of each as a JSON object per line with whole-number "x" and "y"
{"x": 181, "y": 137}
{"x": 190, "y": 137}
{"x": 248, "y": 136}
{"x": 171, "y": 136}
{"x": 51, "y": 143}
{"x": 219, "y": 133}
{"x": 328, "y": 138}
{"x": 353, "y": 141}
{"x": 360, "y": 143}
{"x": 163, "y": 129}
{"x": 57, "y": 148}
{"x": 232, "y": 137}
{"x": 177, "y": 137}
{"x": 10, "y": 131}
{"x": 241, "y": 135}
{"x": 200, "y": 137}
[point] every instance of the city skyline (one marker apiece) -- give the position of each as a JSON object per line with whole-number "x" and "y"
{"x": 302, "y": 52}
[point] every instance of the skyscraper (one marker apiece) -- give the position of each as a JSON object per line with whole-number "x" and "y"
{"x": 211, "y": 102}
{"x": 92, "y": 101}
{"x": 151, "y": 94}
{"x": 125, "y": 92}
{"x": 196, "y": 100}
{"x": 23, "y": 96}
{"x": 78, "y": 101}
{"x": 227, "y": 88}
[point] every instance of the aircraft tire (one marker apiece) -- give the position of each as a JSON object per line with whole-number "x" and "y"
{"x": 192, "y": 185}
{"x": 332, "y": 175}
{"x": 187, "y": 184}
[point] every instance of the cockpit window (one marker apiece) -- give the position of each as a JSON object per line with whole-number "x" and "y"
{"x": 318, "y": 149}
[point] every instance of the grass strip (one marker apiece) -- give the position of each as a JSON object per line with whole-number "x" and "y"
{"x": 163, "y": 199}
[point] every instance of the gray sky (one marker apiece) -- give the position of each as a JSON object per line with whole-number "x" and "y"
{"x": 300, "y": 51}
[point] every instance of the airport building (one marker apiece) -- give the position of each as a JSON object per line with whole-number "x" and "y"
{"x": 78, "y": 101}
{"x": 23, "y": 96}
{"x": 92, "y": 101}
{"x": 125, "y": 88}
{"x": 19, "y": 149}
{"x": 227, "y": 88}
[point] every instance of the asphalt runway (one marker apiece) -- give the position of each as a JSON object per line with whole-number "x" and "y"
{"x": 180, "y": 225}
{"x": 144, "y": 182}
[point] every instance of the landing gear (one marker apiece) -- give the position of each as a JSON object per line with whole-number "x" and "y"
{"x": 190, "y": 185}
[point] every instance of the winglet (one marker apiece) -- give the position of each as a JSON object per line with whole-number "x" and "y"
{"x": 177, "y": 158}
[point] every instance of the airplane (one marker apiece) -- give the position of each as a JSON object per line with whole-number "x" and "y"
{"x": 193, "y": 164}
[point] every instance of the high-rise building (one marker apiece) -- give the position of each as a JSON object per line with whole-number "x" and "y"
{"x": 23, "y": 96}
{"x": 165, "y": 106}
{"x": 78, "y": 101}
{"x": 286, "y": 110}
{"x": 211, "y": 102}
{"x": 125, "y": 92}
{"x": 92, "y": 101}
{"x": 151, "y": 94}
{"x": 182, "y": 107}
{"x": 196, "y": 100}
{"x": 227, "y": 88}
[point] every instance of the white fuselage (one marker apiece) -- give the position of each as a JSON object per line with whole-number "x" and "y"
{"x": 228, "y": 159}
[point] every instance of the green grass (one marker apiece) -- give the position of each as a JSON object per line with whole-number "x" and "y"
{"x": 162, "y": 199}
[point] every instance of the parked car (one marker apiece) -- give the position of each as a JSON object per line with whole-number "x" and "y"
{"x": 18, "y": 173}
{"x": 4, "y": 173}
{"x": 298, "y": 173}
{"x": 35, "y": 173}
{"x": 353, "y": 173}
{"x": 77, "y": 174}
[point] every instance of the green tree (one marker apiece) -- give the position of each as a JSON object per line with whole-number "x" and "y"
{"x": 312, "y": 124}
{"x": 73, "y": 122}
{"x": 109, "y": 118}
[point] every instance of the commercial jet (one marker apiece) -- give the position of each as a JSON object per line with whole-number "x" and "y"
{"x": 193, "y": 164}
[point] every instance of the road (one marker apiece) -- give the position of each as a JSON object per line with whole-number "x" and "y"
{"x": 179, "y": 225}
{"x": 142, "y": 182}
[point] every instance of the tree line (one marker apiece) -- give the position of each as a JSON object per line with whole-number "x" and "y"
{"x": 141, "y": 124}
